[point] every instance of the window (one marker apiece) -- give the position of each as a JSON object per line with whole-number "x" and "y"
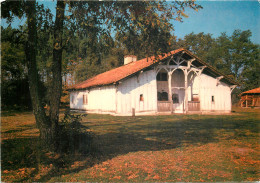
{"x": 175, "y": 98}
{"x": 85, "y": 99}
{"x": 162, "y": 76}
{"x": 212, "y": 99}
{"x": 141, "y": 97}
{"x": 162, "y": 96}
{"x": 72, "y": 100}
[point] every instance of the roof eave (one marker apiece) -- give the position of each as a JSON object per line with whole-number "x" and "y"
{"x": 212, "y": 68}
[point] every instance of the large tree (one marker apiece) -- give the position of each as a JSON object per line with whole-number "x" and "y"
{"x": 14, "y": 86}
{"x": 200, "y": 44}
{"x": 94, "y": 20}
{"x": 235, "y": 55}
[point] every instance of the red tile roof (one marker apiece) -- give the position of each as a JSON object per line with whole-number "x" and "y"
{"x": 256, "y": 90}
{"x": 124, "y": 71}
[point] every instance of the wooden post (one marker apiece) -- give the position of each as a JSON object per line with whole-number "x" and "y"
{"x": 116, "y": 86}
{"x": 186, "y": 90}
{"x": 133, "y": 112}
{"x": 170, "y": 90}
{"x": 246, "y": 100}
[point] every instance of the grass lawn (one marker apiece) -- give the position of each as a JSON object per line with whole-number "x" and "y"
{"x": 194, "y": 148}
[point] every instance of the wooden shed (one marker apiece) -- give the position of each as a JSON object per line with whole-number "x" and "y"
{"x": 250, "y": 98}
{"x": 175, "y": 82}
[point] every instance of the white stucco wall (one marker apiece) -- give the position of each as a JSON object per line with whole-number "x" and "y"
{"x": 101, "y": 99}
{"x": 221, "y": 93}
{"x": 123, "y": 98}
{"x": 76, "y": 99}
{"x": 129, "y": 91}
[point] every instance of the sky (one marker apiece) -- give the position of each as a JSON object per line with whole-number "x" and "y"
{"x": 222, "y": 16}
{"x": 215, "y": 17}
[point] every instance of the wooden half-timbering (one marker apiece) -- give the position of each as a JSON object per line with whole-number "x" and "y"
{"x": 179, "y": 83}
{"x": 250, "y": 98}
{"x": 182, "y": 85}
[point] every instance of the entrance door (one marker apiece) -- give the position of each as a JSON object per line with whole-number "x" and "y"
{"x": 178, "y": 100}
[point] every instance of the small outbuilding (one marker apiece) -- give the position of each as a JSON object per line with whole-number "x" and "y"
{"x": 175, "y": 82}
{"x": 250, "y": 98}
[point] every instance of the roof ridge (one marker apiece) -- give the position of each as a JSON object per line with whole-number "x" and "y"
{"x": 255, "y": 90}
{"x": 121, "y": 72}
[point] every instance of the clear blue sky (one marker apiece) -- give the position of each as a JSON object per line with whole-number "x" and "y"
{"x": 222, "y": 16}
{"x": 214, "y": 18}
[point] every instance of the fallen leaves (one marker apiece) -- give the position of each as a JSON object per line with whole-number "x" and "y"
{"x": 209, "y": 162}
{"x": 132, "y": 176}
{"x": 13, "y": 175}
{"x": 156, "y": 177}
{"x": 116, "y": 178}
{"x": 231, "y": 154}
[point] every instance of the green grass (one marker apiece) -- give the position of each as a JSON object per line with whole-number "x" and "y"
{"x": 137, "y": 149}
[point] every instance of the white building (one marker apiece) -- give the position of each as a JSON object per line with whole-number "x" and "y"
{"x": 176, "y": 82}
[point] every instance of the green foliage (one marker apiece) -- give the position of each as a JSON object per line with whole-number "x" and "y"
{"x": 15, "y": 95}
{"x": 13, "y": 56}
{"x": 200, "y": 44}
{"x": 233, "y": 55}
{"x": 11, "y": 9}
{"x": 73, "y": 136}
{"x": 14, "y": 86}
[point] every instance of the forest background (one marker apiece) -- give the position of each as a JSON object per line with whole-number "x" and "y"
{"x": 234, "y": 55}
{"x": 88, "y": 54}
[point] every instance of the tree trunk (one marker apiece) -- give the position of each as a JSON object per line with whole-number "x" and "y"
{"x": 56, "y": 68}
{"x": 42, "y": 121}
{"x": 48, "y": 125}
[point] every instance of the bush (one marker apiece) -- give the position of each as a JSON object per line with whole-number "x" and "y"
{"x": 73, "y": 136}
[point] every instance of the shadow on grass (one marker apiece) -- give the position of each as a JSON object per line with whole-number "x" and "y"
{"x": 153, "y": 137}
{"x": 20, "y": 128}
{"x": 11, "y": 112}
{"x": 13, "y": 131}
{"x": 20, "y": 153}
{"x": 161, "y": 135}
{"x": 137, "y": 134}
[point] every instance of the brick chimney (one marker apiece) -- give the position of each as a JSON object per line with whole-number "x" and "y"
{"x": 129, "y": 58}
